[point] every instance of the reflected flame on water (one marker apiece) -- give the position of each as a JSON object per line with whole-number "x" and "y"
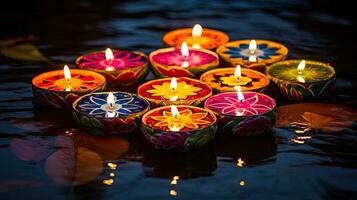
{"x": 108, "y": 182}
{"x": 240, "y": 162}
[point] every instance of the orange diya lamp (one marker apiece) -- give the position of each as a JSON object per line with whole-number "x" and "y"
{"x": 182, "y": 62}
{"x": 60, "y": 88}
{"x": 196, "y": 37}
{"x": 120, "y": 67}
{"x": 179, "y": 127}
{"x": 255, "y": 54}
{"x": 227, "y": 79}
{"x": 178, "y": 91}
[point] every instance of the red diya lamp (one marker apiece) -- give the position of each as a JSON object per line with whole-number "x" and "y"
{"x": 227, "y": 79}
{"x": 60, "y": 88}
{"x": 108, "y": 113}
{"x": 196, "y": 37}
{"x": 178, "y": 91}
{"x": 256, "y": 54}
{"x": 184, "y": 62}
{"x": 243, "y": 113}
{"x": 120, "y": 67}
{"x": 179, "y": 127}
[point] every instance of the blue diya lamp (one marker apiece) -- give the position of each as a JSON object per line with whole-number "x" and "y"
{"x": 256, "y": 54}
{"x": 108, "y": 113}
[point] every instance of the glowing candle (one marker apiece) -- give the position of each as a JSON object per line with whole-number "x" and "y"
{"x": 255, "y": 54}
{"x": 120, "y": 67}
{"x": 177, "y": 127}
{"x": 60, "y": 88}
{"x": 243, "y": 113}
{"x": 226, "y": 79}
{"x": 302, "y": 79}
{"x": 178, "y": 91}
{"x": 196, "y": 37}
{"x": 108, "y": 113}
{"x": 182, "y": 62}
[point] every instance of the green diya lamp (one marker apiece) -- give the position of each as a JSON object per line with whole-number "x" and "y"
{"x": 302, "y": 79}
{"x": 179, "y": 127}
{"x": 255, "y": 54}
{"x": 178, "y": 91}
{"x": 227, "y": 79}
{"x": 109, "y": 113}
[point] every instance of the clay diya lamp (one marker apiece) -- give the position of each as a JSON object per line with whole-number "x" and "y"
{"x": 227, "y": 79}
{"x": 60, "y": 88}
{"x": 178, "y": 91}
{"x": 108, "y": 113}
{"x": 120, "y": 67}
{"x": 243, "y": 113}
{"x": 196, "y": 37}
{"x": 302, "y": 80}
{"x": 255, "y": 54}
{"x": 179, "y": 127}
{"x": 184, "y": 62}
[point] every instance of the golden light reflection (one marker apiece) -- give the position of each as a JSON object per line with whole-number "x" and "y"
{"x": 173, "y": 193}
{"x": 240, "y": 162}
{"x": 108, "y": 182}
{"x": 112, "y": 166}
{"x": 111, "y": 174}
{"x": 242, "y": 183}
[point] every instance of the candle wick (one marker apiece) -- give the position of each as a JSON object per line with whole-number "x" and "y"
{"x": 240, "y": 100}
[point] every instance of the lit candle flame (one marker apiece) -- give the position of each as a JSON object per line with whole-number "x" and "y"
{"x": 109, "y": 54}
{"x": 184, "y": 50}
{"x": 111, "y": 100}
{"x": 237, "y": 72}
{"x": 67, "y": 76}
{"x": 301, "y": 67}
{"x": 240, "y": 95}
{"x": 197, "y": 30}
{"x": 173, "y": 84}
{"x": 174, "y": 111}
{"x": 252, "y": 46}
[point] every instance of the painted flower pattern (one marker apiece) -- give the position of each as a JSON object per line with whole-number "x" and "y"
{"x": 186, "y": 119}
{"x": 253, "y": 104}
{"x": 263, "y": 51}
{"x": 125, "y": 104}
{"x": 122, "y": 60}
{"x": 182, "y": 91}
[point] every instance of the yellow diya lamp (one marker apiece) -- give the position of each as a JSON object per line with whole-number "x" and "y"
{"x": 196, "y": 37}
{"x": 255, "y": 54}
{"x": 178, "y": 91}
{"x": 60, "y": 88}
{"x": 182, "y": 62}
{"x": 302, "y": 79}
{"x": 179, "y": 127}
{"x": 227, "y": 79}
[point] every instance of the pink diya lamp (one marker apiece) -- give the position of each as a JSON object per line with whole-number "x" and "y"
{"x": 120, "y": 67}
{"x": 60, "y": 88}
{"x": 178, "y": 91}
{"x": 184, "y": 62}
{"x": 254, "y": 54}
{"x": 196, "y": 37}
{"x": 227, "y": 79}
{"x": 179, "y": 127}
{"x": 243, "y": 113}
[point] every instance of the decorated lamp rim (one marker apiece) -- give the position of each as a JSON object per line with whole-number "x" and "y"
{"x": 103, "y": 82}
{"x": 257, "y": 40}
{"x": 168, "y": 49}
{"x": 134, "y": 115}
{"x": 115, "y": 70}
{"x": 188, "y": 29}
{"x": 169, "y": 79}
{"x": 227, "y": 115}
{"x": 186, "y": 106}
{"x": 298, "y": 61}
{"x": 242, "y": 69}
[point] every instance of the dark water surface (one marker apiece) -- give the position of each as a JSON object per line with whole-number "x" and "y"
{"x": 44, "y": 156}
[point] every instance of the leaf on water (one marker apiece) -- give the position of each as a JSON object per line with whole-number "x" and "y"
{"x": 326, "y": 117}
{"x": 25, "y": 51}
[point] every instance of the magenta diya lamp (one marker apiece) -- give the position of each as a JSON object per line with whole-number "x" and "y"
{"x": 109, "y": 113}
{"x": 60, "y": 88}
{"x": 179, "y": 127}
{"x": 182, "y": 62}
{"x": 243, "y": 113}
{"x": 302, "y": 79}
{"x": 120, "y": 67}
{"x": 178, "y": 91}
{"x": 254, "y": 54}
